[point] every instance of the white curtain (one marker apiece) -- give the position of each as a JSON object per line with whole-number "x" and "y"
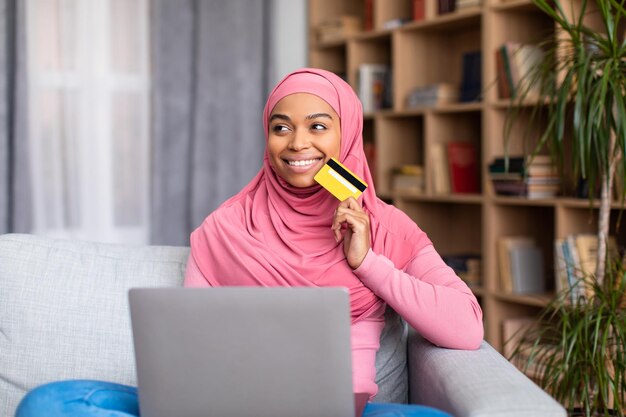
{"x": 89, "y": 85}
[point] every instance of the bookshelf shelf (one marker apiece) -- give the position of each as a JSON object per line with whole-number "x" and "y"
{"x": 428, "y": 52}
{"x": 449, "y": 21}
{"x": 374, "y": 34}
{"x": 335, "y": 44}
{"x": 565, "y": 202}
{"x": 523, "y": 201}
{"x": 514, "y": 5}
{"x": 535, "y": 300}
{"x": 506, "y": 104}
{"x": 417, "y": 111}
{"x": 449, "y": 198}
{"x": 584, "y": 203}
{"x": 474, "y": 107}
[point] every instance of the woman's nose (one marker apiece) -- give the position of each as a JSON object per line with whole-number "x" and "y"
{"x": 300, "y": 140}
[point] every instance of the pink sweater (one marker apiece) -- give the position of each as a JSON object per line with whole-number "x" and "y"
{"x": 427, "y": 294}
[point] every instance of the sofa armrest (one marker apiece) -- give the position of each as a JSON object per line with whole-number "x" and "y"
{"x": 473, "y": 383}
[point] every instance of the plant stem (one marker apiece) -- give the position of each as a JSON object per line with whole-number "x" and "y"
{"x": 605, "y": 210}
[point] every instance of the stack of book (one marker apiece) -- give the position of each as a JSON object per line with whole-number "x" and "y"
{"x": 521, "y": 265}
{"x": 466, "y": 266}
{"x": 396, "y": 23}
{"x": 575, "y": 260}
{"x": 374, "y": 86}
{"x": 338, "y": 29}
{"x": 541, "y": 177}
{"x": 514, "y": 63}
{"x": 433, "y": 95}
{"x": 408, "y": 179}
{"x": 530, "y": 177}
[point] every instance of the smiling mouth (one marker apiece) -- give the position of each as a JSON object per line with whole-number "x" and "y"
{"x": 303, "y": 163}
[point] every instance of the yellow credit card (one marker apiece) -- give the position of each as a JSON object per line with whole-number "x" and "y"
{"x": 339, "y": 180}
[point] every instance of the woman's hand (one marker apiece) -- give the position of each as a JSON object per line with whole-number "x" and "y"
{"x": 356, "y": 240}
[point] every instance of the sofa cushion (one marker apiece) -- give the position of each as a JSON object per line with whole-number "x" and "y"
{"x": 391, "y": 360}
{"x": 64, "y": 314}
{"x": 63, "y": 309}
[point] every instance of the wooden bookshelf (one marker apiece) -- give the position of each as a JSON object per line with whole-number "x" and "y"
{"x": 430, "y": 51}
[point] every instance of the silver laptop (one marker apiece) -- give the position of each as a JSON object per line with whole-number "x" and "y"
{"x": 243, "y": 351}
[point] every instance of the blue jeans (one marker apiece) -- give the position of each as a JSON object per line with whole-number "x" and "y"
{"x": 83, "y": 398}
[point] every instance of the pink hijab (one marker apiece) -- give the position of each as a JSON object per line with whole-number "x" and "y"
{"x": 274, "y": 234}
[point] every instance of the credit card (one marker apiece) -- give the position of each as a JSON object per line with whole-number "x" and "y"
{"x": 339, "y": 180}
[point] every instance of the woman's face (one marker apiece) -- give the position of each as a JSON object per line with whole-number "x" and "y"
{"x": 304, "y": 133}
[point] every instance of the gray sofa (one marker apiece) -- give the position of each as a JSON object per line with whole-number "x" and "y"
{"x": 63, "y": 315}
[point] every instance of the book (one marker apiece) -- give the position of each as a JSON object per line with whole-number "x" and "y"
{"x": 463, "y": 166}
{"x": 439, "y": 174}
{"x": 531, "y": 177}
{"x": 506, "y": 64}
{"x": 587, "y": 248}
{"x": 505, "y": 245}
{"x": 419, "y": 10}
{"x": 525, "y": 59}
{"x": 446, "y": 6}
{"x": 408, "y": 178}
{"x": 518, "y": 60}
{"x": 510, "y": 188}
{"x": 432, "y": 95}
{"x": 368, "y": 13}
{"x": 574, "y": 272}
{"x": 395, "y": 23}
{"x": 372, "y": 86}
{"x": 515, "y": 164}
{"x": 464, "y": 4}
{"x": 506, "y": 176}
{"x": 560, "y": 269}
{"x": 504, "y": 90}
{"x": 527, "y": 272}
{"x": 471, "y": 79}
{"x": 467, "y": 266}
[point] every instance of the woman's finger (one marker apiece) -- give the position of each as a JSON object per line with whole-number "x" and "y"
{"x": 356, "y": 222}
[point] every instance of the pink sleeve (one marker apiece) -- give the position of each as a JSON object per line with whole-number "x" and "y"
{"x": 365, "y": 340}
{"x": 193, "y": 276}
{"x": 429, "y": 296}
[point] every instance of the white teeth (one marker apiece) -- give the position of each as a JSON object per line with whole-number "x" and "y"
{"x": 302, "y": 163}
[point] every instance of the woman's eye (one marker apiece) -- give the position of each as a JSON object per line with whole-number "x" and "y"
{"x": 279, "y": 128}
{"x": 318, "y": 126}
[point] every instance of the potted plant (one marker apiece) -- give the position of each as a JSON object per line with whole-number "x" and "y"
{"x": 579, "y": 90}
{"x": 577, "y": 351}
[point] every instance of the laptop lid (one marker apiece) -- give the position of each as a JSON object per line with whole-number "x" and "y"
{"x": 242, "y": 351}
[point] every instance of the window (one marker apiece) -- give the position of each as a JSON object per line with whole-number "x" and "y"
{"x": 89, "y": 85}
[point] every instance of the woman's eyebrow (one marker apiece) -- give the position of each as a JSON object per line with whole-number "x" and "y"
{"x": 280, "y": 116}
{"x": 316, "y": 115}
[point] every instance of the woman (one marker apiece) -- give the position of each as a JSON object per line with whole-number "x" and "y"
{"x": 284, "y": 229}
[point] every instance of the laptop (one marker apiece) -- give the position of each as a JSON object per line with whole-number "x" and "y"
{"x": 243, "y": 352}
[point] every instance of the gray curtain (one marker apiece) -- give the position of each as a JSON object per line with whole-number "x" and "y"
{"x": 209, "y": 85}
{"x": 15, "y": 190}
